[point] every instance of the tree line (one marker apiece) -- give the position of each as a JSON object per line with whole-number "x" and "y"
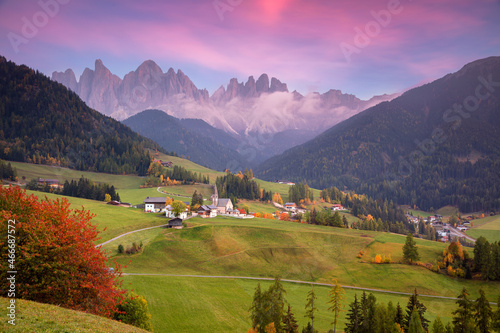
{"x": 84, "y": 188}
{"x": 159, "y": 175}
{"x": 484, "y": 265}
{"x": 43, "y": 122}
{"x": 241, "y": 186}
{"x": 270, "y": 312}
{"x": 7, "y": 171}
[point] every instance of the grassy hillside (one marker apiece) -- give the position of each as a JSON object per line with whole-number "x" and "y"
{"x": 188, "y": 304}
{"x": 263, "y": 248}
{"x": 488, "y": 227}
{"x": 38, "y": 317}
{"x": 116, "y": 220}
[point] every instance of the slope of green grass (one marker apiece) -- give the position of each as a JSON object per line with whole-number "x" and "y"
{"x": 116, "y": 220}
{"x": 31, "y": 171}
{"x": 488, "y": 227}
{"x": 188, "y": 304}
{"x": 38, "y": 317}
{"x": 265, "y": 248}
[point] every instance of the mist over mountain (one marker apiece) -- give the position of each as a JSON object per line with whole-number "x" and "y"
{"x": 264, "y": 105}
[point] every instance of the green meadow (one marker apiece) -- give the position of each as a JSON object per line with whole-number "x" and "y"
{"x": 38, "y": 317}
{"x": 110, "y": 220}
{"x": 488, "y": 227}
{"x": 190, "y": 304}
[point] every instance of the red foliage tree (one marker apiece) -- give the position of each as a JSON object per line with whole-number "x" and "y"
{"x": 56, "y": 258}
{"x": 285, "y": 217}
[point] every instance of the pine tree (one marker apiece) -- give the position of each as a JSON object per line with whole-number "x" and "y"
{"x": 496, "y": 318}
{"x": 463, "y": 320}
{"x": 410, "y": 250}
{"x": 415, "y": 325}
{"x": 399, "y": 317}
{"x": 437, "y": 326}
{"x": 368, "y": 312}
{"x": 354, "y": 317}
{"x": 483, "y": 313}
{"x": 310, "y": 307}
{"x": 289, "y": 322}
{"x": 414, "y": 302}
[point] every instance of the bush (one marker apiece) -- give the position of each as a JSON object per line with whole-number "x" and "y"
{"x": 134, "y": 311}
{"x": 121, "y": 248}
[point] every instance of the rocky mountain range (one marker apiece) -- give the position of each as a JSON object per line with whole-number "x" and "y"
{"x": 256, "y": 106}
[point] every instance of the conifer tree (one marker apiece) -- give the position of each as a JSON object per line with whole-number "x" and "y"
{"x": 483, "y": 313}
{"x": 410, "y": 250}
{"x": 414, "y": 302}
{"x": 463, "y": 320}
{"x": 289, "y": 322}
{"x": 354, "y": 317}
{"x": 310, "y": 306}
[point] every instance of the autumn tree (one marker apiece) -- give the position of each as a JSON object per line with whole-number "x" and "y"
{"x": 107, "y": 198}
{"x": 56, "y": 253}
{"x": 168, "y": 201}
{"x": 336, "y": 299}
{"x": 410, "y": 250}
{"x": 178, "y": 207}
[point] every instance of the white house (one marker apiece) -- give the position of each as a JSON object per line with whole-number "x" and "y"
{"x": 154, "y": 204}
{"x": 291, "y": 206}
{"x": 169, "y": 212}
{"x": 337, "y": 207}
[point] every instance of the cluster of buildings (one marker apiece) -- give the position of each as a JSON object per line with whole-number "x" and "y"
{"x": 222, "y": 206}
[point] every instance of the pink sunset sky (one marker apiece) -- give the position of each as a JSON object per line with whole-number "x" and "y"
{"x": 360, "y": 47}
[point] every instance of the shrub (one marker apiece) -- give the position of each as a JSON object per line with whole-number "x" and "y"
{"x": 134, "y": 311}
{"x": 120, "y": 248}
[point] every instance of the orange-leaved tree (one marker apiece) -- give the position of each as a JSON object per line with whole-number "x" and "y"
{"x": 55, "y": 256}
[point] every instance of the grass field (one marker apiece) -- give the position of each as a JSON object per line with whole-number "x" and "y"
{"x": 31, "y": 171}
{"x": 489, "y": 227}
{"x": 116, "y": 220}
{"x": 264, "y": 248}
{"x": 38, "y": 317}
{"x": 188, "y": 304}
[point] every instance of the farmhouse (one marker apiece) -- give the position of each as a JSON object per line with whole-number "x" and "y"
{"x": 291, "y": 206}
{"x": 285, "y": 182}
{"x": 53, "y": 183}
{"x": 336, "y": 207}
{"x": 207, "y": 211}
{"x": 175, "y": 223}
{"x": 169, "y": 212}
{"x": 154, "y": 204}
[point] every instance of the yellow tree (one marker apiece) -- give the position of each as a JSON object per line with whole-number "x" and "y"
{"x": 169, "y": 201}
{"x": 336, "y": 299}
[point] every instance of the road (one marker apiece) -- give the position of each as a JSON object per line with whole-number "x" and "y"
{"x": 456, "y": 233}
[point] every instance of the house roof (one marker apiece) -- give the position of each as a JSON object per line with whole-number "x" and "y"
{"x": 154, "y": 200}
{"x": 46, "y": 180}
{"x": 175, "y": 221}
{"x": 207, "y": 207}
{"x": 290, "y": 204}
{"x": 223, "y": 202}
